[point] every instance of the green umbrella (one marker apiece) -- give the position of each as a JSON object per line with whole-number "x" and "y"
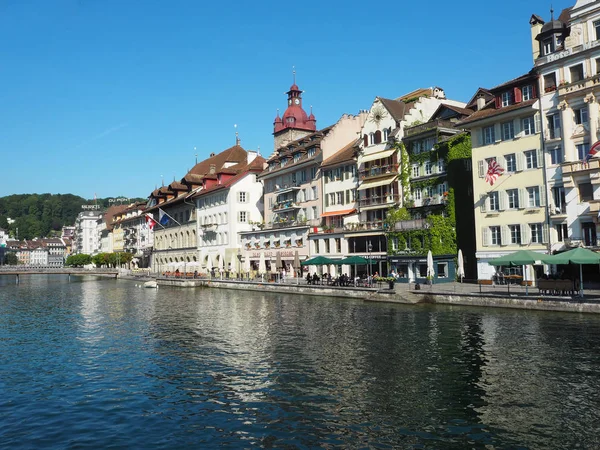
{"x": 318, "y": 261}
{"x": 354, "y": 260}
{"x": 519, "y": 258}
{"x": 579, "y": 256}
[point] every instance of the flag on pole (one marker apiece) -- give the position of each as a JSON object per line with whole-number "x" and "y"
{"x": 150, "y": 221}
{"x": 594, "y": 149}
{"x": 163, "y": 217}
{"x": 493, "y": 172}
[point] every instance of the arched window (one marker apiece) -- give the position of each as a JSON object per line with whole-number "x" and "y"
{"x": 372, "y": 138}
{"x": 365, "y": 140}
{"x": 377, "y": 137}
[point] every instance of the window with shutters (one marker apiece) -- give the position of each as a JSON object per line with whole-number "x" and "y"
{"x": 508, "y": 130}
{"x": 428, "y": 170}
{"x": 536, "y": 233}
{"x": 527, "y": 92}
{"x": 506, "y": 98}
{"x": 340, "y": 197}
{"x": 515, "y": 234}
{"x": 531, "y": 160}
{"x": 242, "y": 217}
{"x": 494, "y": 201}
{"x": 528, "y": 126}
{"x": 242, "y": 197}
{"x": 512, "y": 196}
{"x": 533, "y": 197}
{"x": 510, "y": 161}
{"x": 416, "y": 171}
{"x": 495, "y": 236}
{"x": 489, "y": 136}
{"x": 441, "y": 167}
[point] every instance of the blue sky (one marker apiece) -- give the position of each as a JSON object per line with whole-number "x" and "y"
{"x": 107, "y": 96}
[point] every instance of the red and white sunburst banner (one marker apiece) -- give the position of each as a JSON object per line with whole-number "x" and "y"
{"x": 493, "y": 172}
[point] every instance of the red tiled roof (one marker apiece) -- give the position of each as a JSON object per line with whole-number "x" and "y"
{"x": 490, "y": 111}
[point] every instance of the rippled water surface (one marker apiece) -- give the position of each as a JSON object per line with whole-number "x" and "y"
{"x": 105, "y": 364}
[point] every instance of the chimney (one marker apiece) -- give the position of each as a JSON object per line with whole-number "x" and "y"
{"x": 251, "y": 156}
{"x": 536, "y": 23}
{"x": 480, "y": 102}
{"x": 213, "y": 169}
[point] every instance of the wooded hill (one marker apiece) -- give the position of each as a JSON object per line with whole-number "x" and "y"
{"x": 44, "y": 215}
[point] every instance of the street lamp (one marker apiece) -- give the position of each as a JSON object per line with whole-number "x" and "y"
{"x": 369, "y": 249}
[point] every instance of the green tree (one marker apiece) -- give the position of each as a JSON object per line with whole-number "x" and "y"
{"x": 78, "y": 260}
{"x": 11, "y": 259}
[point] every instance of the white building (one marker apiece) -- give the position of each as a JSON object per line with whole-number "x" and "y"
{"x": 566, "y": 54}
{"x": 86, "y": 235}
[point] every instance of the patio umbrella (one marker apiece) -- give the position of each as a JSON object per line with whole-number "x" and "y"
{"x": 278, "y": 264}
{"x": 209, "y": 263}
{"x": 233, "y": 263}
{"x": 317, "y": 261}
{"x": 354, "y": 260}
{"x": 518, "y": 258}
{"x": 247, "y": 267}
{"x": 430, "y": 270}
{"x": 460, "y": 271}
{"x": 220, "y": 264}
{"x": 297, "y": 265}
{"x": 579, "y": 256}
{"x": 262, "y": 265}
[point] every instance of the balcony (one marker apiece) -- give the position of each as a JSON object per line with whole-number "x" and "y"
{"x": 378, "y": 200}
{"x": 579, "y": 85}
{"x": 366, "y": 226}
{"x": 573, "y": 167}
{"x": 288, "y": 188}
{"x": 431, "y": 125}
{"x": 431, "y": 201}
{"x": 557, "y": 212}
{"x": 209, "y": 227}
{"x": 287, "y": 205}
{"x": 377, "y": 171}
{"x": 414, "y": 224}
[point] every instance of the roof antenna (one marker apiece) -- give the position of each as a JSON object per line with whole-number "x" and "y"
{"x": 551, "y": 13}
{"x": 196, "y": 155}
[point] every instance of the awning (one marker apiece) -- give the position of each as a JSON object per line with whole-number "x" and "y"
{"x": 378, "y": 155}
{"x": 338, "y": 213}
{"x": 372, "y": 184}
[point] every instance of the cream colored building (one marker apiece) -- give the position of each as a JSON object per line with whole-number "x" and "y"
{"x": 510, "y": 214}
{"x": 566, "y": 54}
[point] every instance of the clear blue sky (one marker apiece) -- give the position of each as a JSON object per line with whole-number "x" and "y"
{"x": 105, "y": 96}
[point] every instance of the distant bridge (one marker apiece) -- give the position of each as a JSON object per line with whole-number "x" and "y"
{"x": 18, "y": 271}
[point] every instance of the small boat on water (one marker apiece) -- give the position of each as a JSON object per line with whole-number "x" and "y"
{"x": 151, "y": 284}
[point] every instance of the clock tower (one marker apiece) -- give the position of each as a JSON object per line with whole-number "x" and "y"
{"x": 295, "y": 123}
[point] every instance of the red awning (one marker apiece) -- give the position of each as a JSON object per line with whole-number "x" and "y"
{"x": 338, "y": 213}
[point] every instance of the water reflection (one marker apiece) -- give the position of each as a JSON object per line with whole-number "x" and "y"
{"x": 107, "y": 363}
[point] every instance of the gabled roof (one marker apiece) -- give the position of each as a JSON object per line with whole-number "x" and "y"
{"x": 233, "y": 154}
{"x": 346, "y": 154}
{"x": 490, "y": 111}
{"x": 480, "y": 91}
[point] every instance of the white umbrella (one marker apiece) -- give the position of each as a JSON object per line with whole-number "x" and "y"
{"x": 220, "y": 263}
{"x": 460, "y": 271}
{"x": 233, "y": 263}
{"x": 262, "y": 266}
{"x": 209, "y": 263}
{"x": 247, "y": 266}
{"x": 430, "y": 271}
{"x": 292, "y": 271}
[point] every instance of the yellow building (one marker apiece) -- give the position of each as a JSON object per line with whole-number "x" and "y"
{"x": 510, "y": 211}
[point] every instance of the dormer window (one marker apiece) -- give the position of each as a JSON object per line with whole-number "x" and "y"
{"x": 527, "y": 92}
{"x": 505, "y": 99}
{"x": 311, "y": 152}
{"x": 297, "y": 157}
{"x": 547, "y": 46}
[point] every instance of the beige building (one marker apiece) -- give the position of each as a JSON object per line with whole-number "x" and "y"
{"x": 566, "y": 54}
{"x": 510, "y": 211}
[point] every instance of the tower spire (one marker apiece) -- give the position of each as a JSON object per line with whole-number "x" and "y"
{"x": 551, "y": 13}
{"x": 294, "y": 73}
{"x": 237, "y": 136}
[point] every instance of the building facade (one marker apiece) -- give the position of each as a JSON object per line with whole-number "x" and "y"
{"x": 566, "y": 55}
{"x": 508, "y": 176}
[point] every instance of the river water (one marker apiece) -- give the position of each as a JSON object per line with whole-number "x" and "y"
{"x": 100, "y": 363}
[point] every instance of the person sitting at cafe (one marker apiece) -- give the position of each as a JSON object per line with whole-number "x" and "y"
{"x": 315, "y": 278}
{"x": 308, "y": 278}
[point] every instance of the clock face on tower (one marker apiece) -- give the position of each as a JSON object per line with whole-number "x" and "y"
{"x": 297, "y": 101}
